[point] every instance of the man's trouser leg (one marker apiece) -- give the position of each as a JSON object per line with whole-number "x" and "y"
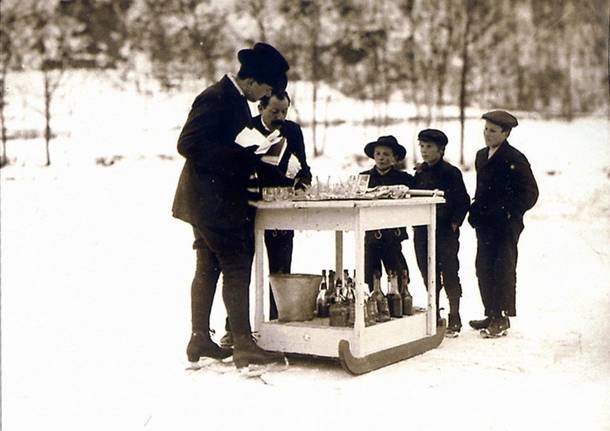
{"x": 372, "y": 262}
{"x": 505, "y": 267}
{"x": 487, "y": 251}
{"x": 234, "y": 251}
{"x": 279, "y": 244}
{"x": 420, "y": 243}
{"x": 448, "y": 245}
{"x": 203, "y": 287}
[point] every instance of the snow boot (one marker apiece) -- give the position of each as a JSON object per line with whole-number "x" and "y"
{"x": 497, "y": 327}
{"x": 226, "y": 342}
{"x": 247, "y": 352}
{"x": 202, "y": 346}
{"x": 455, "y": 325}
{"x": 480, "y": 324}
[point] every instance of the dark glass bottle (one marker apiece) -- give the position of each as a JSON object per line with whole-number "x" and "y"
{"x": 407, "y": 299}
{"x": 321, "y": 304}
{"x": 330, "y": 291}
{"x": 382, "y": 302}
{"x": 394, "y": 298}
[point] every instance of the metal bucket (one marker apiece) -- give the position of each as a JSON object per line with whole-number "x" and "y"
{"x": 295, "y": 295}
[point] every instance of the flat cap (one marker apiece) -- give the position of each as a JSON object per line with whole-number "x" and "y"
{"x": 501, "y": 118}
{"x": 433, "y": 135}
{"x": 388, "y": 141}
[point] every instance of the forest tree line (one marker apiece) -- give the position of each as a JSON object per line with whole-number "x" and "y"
{"x": 548, "y": 56}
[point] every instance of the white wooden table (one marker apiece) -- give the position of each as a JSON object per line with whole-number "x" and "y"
{"x": 317, "y": 337}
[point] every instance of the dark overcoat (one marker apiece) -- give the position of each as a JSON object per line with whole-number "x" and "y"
{"x": 506, "y": 187}
{"x": 446, "y": 177}
{"x": 212, "y": 190}
{"x": 295, "y": 145}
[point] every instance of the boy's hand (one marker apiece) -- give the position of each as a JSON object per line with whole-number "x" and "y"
{"x": 454, "y": 227}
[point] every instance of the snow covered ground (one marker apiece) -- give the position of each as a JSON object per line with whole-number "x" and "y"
{"x": 96, "y": 277}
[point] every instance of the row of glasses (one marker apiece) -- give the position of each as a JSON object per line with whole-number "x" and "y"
{"x": 327, "y": 188}
{"x": 273, "y": 194}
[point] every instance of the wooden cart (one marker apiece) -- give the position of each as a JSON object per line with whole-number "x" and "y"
{"x": 360, "y": 349}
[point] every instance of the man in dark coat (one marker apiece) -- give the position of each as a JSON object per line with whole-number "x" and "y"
{"x": 436, "y": 173}
{"x": 384, "y": 245}
{"x": 273, "y": 111}
{"x": 279, "y": 243}
{"x": 212, "y": 196}
{"x": 506, "y": 189}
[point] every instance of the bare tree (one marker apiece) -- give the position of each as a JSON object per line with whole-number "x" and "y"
{"x": 8, "y": 34}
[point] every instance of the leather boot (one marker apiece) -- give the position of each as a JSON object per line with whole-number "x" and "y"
{"x": 480, "y": 324}
{"x": 201, "y": 345}
{"x": 246, "y": 352}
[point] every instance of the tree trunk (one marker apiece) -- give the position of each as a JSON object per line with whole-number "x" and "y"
{"x": 47, "y": 115}
{"x": 464, "y": 78}
{"x": 3, "y": 159}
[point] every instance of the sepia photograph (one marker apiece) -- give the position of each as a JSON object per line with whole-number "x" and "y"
{"x": 304, "y": 215}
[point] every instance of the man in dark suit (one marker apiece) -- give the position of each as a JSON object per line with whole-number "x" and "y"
{"x": 273, "y": 111}
{"x": 506, "y": 189}
{"x": 279, "y": 243}
{"x": 212, "y": 196}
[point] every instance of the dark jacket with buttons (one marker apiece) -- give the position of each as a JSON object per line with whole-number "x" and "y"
{"x": 392, "y": 178}
{"x": 212, "y": 190}
{"x": 446, "y": 177}
{"x": 506, "y": 187}
{"x": 268, "y": 174}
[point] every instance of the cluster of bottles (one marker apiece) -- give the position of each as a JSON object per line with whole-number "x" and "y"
{"x": 337, "y": 298}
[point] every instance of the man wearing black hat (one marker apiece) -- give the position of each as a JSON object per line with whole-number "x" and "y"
{"x": 436, "y": 173}
{"x": 384, "y": 245}
{"x": 506, "y": 189}
{"x": 212, "y": 196}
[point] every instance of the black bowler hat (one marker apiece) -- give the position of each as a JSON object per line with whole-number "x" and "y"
{"x": 433, "y": 135}
{"x": 265, "y": 64}
{"x": 388, "y": 141}
{"x": 501, "y": 118}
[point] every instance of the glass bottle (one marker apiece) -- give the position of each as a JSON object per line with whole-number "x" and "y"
{"x": 330, "y": 291}
{"x": 321, "y": 304}
{"x": 407, "y": 299}
{"x": 394, "y": 298}
{"x": 382, "y": 302}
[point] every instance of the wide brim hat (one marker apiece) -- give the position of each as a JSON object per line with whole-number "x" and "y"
{"x": 433, "y": 135}
{"x": 501, "y": 118}
{"x": 387, "y": 141}
{"x": 265, "y": 64}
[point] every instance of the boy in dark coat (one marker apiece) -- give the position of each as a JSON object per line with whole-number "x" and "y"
{"x": 436, "y": 173}
{"x": 506, "y": 189}
{"x": 384, "y": 245}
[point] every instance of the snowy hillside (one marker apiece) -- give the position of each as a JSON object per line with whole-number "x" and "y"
{"x": 96, "y": 277}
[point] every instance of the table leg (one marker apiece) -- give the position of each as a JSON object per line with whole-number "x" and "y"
{"x": 431, "y": 317}
{"x": 259, "y": 258}
{"x": 360, "y": 286}
{"x": 339, "y": 253}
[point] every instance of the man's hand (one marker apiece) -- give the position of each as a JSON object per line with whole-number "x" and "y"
{"x": 300, "y": 184}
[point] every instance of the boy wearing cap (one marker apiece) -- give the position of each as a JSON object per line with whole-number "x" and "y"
{"x": 436, "y": 173}
{"x": 384, "y": 245}
{"x": 212, "y": 196}
{"x": 506, "y": 189}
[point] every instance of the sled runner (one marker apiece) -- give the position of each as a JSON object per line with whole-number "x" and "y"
{"x": 374, "y": 361}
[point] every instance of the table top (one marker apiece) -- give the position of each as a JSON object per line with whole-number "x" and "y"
{"x": 348, "y": 203}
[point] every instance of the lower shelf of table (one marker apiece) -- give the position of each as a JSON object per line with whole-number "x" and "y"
{"x": 317, "y": 337}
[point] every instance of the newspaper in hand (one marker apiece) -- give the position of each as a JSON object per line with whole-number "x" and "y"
{"x": 272, "y": 147}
